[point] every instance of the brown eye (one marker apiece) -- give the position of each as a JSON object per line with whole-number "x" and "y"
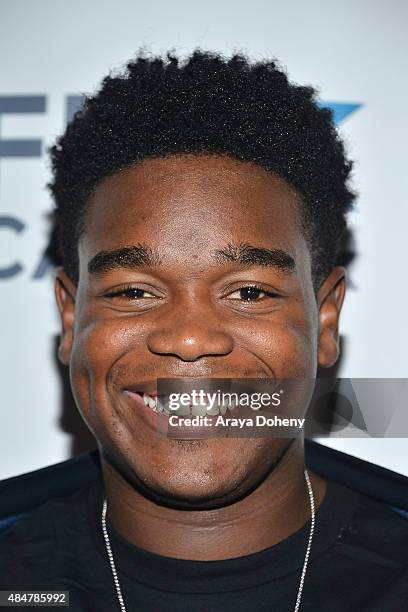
{"x": 131, "y": 293}
{"x": 250, "y": 294}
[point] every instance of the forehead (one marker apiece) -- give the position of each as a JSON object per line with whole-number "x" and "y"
{"x": 186, "y": 203}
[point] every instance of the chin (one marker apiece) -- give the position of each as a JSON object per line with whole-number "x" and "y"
{"x": 196, "y": 473}
{"x": 197, "y": 486}
{"x": 188, "y": 485}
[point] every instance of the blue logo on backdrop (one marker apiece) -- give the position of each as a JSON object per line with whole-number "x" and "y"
{"x": 10, "y": 148}
{"x": 341, "y": 110}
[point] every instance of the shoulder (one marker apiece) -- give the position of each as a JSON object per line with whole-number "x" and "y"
{"x": 377, "y": 532}
{"x": 30, "y": 543}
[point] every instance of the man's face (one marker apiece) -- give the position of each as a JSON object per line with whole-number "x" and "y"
{"x": 179, "y": 309}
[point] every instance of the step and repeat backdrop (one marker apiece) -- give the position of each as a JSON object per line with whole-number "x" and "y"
{"x": 51, "y": 53}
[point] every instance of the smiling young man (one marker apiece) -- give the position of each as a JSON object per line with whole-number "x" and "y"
{"x": 200, "y": 207}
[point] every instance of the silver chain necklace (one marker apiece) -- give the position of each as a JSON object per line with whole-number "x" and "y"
{"x": 302, "y": 577}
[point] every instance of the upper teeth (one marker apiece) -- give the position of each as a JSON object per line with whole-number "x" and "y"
{"x": 150, "y": 401}
{"x": 199, "y": 409}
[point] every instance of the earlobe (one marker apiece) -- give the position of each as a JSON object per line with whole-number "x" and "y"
{"x": 65, "y": 293}
{"x": 330, "y": 299}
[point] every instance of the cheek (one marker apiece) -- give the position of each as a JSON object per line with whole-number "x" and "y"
{"x": 97, "y": 347}
{"x": 287, "y": 344}
{"x": 289, "y": 347}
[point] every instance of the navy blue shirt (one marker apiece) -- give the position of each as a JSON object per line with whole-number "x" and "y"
{"x": 358, "y": 562}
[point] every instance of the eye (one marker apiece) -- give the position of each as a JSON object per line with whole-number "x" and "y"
{"x": 131, "y": 293}
{"x": 251, "y": 293}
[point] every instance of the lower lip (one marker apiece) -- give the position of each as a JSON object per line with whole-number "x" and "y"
{"x": 160, "y": 423}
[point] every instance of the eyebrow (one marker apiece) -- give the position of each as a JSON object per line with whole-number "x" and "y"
{"x": 250, "y": 255}
{"x": 131, "y": 257}
{"x": 139, "y": 255}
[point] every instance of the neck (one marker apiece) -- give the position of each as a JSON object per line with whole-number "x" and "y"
{"x": 278, "y": 507}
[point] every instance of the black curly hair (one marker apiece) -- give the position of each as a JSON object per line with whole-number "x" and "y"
{"x": 212, "y": 105}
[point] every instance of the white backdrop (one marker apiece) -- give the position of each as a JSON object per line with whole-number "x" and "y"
{"x": 354, "y": 52}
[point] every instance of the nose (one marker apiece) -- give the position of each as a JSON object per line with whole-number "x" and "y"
{"x": 190, "y": 336}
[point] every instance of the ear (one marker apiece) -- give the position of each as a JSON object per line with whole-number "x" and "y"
{"x": 330, "y": 298}
{"x": 65, "y": 294}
